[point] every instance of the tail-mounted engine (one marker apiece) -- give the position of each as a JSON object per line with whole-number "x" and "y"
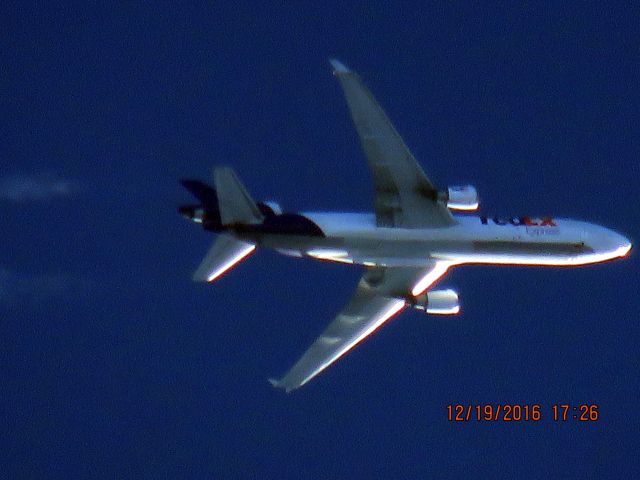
{"x": 270, "y": 208}
{"x": 438, "y": 302}
{"x": 464, "y": 197}
{"x": 195, "y": 213}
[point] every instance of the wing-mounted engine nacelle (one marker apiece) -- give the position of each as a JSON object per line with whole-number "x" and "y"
{"x": 438, "y": 302}
{"x": 269, "y": 208}
{"x": 461, "y": 197}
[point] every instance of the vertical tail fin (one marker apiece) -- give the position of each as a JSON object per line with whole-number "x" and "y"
{"x": 235, "y": 204}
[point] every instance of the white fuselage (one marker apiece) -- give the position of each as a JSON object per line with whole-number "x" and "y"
{"x": 355, "y": 238}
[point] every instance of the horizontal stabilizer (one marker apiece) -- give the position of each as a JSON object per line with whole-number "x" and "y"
{"x": 202, "y": 192}
{"x": 224, "y": 254}
{"x": 235, "y": 203}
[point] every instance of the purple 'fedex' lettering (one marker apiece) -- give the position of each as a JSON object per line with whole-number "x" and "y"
{"x": 519, "y": 221}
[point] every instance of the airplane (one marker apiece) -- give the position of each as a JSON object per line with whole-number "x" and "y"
{"x": 406, "y": 245}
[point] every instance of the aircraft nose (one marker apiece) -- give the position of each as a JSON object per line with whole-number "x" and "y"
{"x": 621, "y": 245}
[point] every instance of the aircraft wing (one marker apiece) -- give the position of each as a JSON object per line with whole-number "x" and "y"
{"x": 380, "y": 295}
{"x": 404, "y": 196}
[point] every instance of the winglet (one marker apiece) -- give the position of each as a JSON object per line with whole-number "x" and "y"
{"x": 274, "y": 382}
{"x": 338, "y": 66}
{"x": 278, "y": 384}
{"x": 202, "y": 192}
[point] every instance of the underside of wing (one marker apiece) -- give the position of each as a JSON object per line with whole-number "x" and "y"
{"x": 361, "y": 317}
{"x": 404, "y": 196}
{"x": 381, "y": 294}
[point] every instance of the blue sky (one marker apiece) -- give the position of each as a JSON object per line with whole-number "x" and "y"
{"x": 113, "y": 363}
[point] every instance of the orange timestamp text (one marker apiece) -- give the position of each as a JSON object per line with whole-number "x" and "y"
{"x": 516, "y": 412}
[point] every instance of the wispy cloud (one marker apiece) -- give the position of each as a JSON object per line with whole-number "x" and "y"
{"x": 19, "y": 287}
{"x": 36, "y": 187}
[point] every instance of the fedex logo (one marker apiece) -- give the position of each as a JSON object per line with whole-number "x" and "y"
{"x": 519, "y": 221}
